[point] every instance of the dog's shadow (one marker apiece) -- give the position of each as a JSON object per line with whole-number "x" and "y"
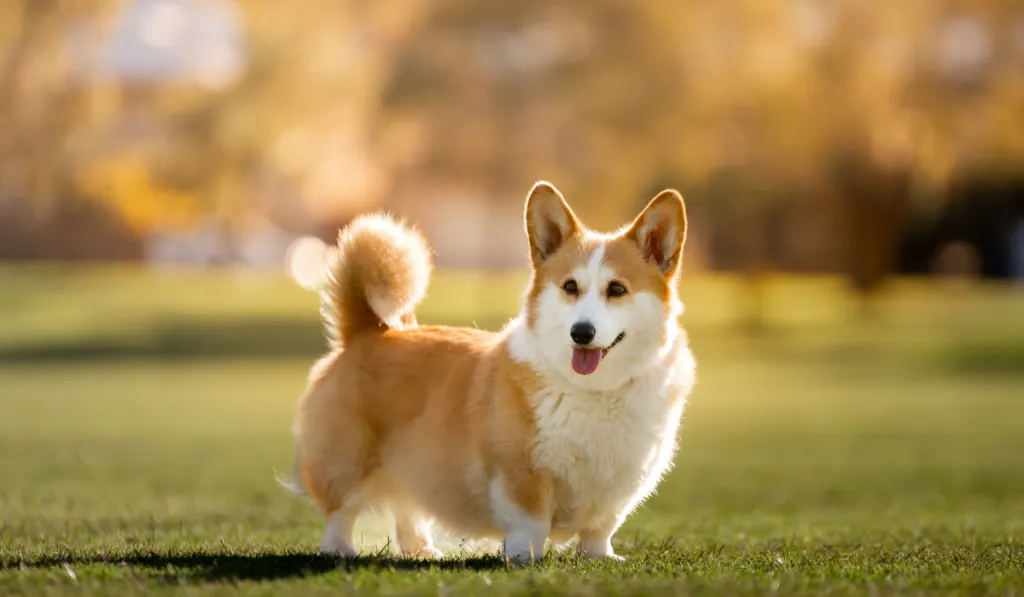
{"x": 214, "y": 568}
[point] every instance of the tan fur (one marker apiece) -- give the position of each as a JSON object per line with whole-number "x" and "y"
{"x": 654, "y": 229}
{"x": 425, "y": 420}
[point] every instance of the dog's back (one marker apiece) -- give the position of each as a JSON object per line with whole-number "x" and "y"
{"x": 393, "y": 377}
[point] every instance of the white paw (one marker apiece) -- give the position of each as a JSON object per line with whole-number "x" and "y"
{"x": 561, "y": 548}
{"x": 520, "y": 560}
{"x": 524, "y": 554}
{"x": 331, "y": 547}
{"x": 337, "y": 537}
{"x": 522, "y": 548}
{"x": 601, "y": 552}
{"x": 428, "y": 553}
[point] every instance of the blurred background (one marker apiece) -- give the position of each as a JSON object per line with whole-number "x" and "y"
{"x": 807, "y": 135}
{"x": 854, "y": 274}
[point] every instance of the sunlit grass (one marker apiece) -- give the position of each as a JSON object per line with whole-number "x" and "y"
{"x": 54, "y": 303}
{"x": 823, "y": 454}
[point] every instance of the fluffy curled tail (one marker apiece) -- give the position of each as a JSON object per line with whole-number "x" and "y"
{"x": 376, "y": 276}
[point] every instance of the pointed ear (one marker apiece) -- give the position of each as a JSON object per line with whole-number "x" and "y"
{"x": 660, "y": 231}
{"x": 549, "y": 221}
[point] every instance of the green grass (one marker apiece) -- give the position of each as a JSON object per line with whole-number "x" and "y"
{"x": 819, "y": 457}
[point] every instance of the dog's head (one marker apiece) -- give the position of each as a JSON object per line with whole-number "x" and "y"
{"x": 602, "y": 308}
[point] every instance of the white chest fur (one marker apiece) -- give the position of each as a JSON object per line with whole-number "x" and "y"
{"x": 605, "y": 451}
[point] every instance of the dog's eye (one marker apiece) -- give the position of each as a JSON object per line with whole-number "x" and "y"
{"x": 616, "y": 289}
{"x": 571, "y": 288}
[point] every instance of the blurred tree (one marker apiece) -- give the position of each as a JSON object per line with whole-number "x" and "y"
{"x": 867, "y": 85}
{"x": 770, "y": 116}
{"x": 504, "y": 93}
{"x": 53, "y": 118}
{"x": 780, "y": 113}
{"x": 50, "y": 116}
{"x": 298, "y": 112}
{"x": 124, "y": 184}
{"x": 915, "y": 91}
{"x": 858, "y": 104}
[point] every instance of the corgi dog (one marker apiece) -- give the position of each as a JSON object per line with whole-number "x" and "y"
{"x": 556, "y": 427}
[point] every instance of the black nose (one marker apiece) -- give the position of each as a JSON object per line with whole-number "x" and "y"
{"x": 583, "y": 333}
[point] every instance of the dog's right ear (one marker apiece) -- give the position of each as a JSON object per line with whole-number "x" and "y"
{"x": 549, "y": 221}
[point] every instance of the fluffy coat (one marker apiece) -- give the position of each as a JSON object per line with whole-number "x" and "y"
{"x": 557, "y": 427}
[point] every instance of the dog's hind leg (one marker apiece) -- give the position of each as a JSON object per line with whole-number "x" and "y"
{"x": 413, "y": 533}
{"x": 336, "y": 480}
{"x": 336, "y": 458}
{"x": 337, "y": 539}
{"x": 337, "y": 491}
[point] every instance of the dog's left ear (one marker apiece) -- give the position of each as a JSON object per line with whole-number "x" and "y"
{"x": 660, "y": 231}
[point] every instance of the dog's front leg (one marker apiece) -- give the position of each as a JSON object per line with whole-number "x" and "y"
{"x": 521, "y": 505}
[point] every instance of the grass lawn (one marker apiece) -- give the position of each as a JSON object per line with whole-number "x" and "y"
{"x": 821, "y": 456}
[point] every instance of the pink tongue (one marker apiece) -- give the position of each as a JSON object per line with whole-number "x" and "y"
{"x": 585, "y": 361}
